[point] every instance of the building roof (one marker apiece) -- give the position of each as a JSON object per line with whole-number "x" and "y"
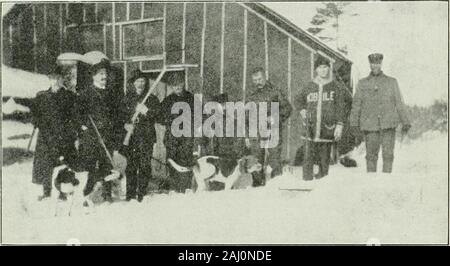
{"x": 295, "y": 31}
{"x": 267, "y": 13}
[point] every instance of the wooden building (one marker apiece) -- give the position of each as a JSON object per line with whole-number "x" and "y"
{"x": 225, "y": 40}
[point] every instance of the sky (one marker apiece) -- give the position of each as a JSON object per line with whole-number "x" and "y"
{"x": 413, "y": 36}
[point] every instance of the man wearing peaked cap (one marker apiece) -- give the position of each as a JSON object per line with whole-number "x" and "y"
{"x": 377, "y": 110}
{"x": 375, "y": 58}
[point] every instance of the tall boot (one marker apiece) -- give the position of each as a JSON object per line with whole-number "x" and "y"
{"x": 371, "y": 166}
{"x": 387, "y": 166}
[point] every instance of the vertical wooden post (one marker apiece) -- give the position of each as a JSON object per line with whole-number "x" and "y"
{"x": 244, "y": 76}
{"x": 222, "y": 40}
{"x": 266, "y": 50}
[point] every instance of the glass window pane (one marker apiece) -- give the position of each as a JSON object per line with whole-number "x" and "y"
{"x": 143, "y": 39}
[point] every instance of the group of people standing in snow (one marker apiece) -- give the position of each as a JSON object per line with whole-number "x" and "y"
{"x": 85, "y": 128}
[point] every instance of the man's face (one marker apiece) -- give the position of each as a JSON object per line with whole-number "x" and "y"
{"x": 139, "y": 84}
{"x": 178, "y": 89}
{"x": 100, "y": 78}
{"x": 259, "y": 80}
{"x": 323, "y": 71}
{"x": 55, "y": 83}
{"x": 375, "y": 68}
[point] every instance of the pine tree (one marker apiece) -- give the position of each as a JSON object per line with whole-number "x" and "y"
{"x": 329, "y": 16}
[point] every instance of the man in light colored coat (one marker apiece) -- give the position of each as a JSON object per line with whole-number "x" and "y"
{"x": 377, "y": 110}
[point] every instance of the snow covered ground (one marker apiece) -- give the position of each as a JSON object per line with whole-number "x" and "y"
{"x": 348, "y": 206}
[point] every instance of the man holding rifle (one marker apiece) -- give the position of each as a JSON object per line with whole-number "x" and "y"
{"x": 139, "y": 150}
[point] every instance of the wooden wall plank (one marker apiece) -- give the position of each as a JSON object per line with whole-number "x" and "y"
{"x": 174, "y": 31}
{"x": 255, "y": 48}
{"x": 153, "y": 10}
{"x": 193, "y": 42}
{"x": 234, "y": 51}
{"x": 212, "y": 50}
{"x": 135, "y": 11}
{"x": 277, "y": 51}
{"x": 300, "y": 76}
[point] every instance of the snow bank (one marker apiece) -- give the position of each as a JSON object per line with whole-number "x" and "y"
{"x": 348, "y": 206}
{"x": 14, "y": 128}
{"x": 11, "y": 107}
{"x": 22, "y": 84}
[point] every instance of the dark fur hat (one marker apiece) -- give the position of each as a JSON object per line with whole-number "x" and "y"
{"x": 136, "y": 74}
{"x": 104, "y": 64}
{"x": 321, "y": 61}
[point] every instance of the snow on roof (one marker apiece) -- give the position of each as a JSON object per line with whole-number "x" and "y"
{"x": 21, "y": 83}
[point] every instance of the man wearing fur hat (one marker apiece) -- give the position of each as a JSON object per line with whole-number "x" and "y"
{"x": 98, "y": 102}
{"x": 322, "y": 108}
{"x": 377, "y": 110}
{"x": 140, "y": 148}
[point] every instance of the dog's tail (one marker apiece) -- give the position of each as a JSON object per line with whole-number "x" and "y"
{"x": 178, "y": 167}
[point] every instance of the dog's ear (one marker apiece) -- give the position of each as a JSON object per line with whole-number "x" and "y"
{"x": 243, "y": 162}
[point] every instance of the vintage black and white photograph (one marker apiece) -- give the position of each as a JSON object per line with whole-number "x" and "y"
{"x": 224, "y": 123}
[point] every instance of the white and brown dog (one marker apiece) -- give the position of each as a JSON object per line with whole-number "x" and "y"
{"x": 212, "y": 169}
{"x": 69, "y": 186}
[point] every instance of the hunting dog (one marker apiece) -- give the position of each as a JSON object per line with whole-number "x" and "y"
{"x": 69, "y": 186}
{"x": 212, "y": 169}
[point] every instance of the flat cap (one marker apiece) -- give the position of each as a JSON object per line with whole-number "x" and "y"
{"x": 375, "y": 58}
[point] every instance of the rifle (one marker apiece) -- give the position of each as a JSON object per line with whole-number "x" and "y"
{"x": 134, "y": 118}
{"x": 31, "y": 139}
{"x": 126, "y": 141}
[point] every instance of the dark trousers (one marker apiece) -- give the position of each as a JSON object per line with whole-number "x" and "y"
{"x": 267, "y": 157}
{"x": 47, "y": 157}
{"x": 96, "y": 163}
{"x": 180, "y": 150}
{"x": 374, "y": 140}
{"x": 316, "y": 153}
{"x": 139, "y": 170}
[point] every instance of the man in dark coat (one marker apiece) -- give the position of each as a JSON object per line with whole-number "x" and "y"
{"x": 377, "y": 110}
{"x": 96, "y": 101}
{"x": 229, "y": 149}
{"x": 265, "y": 92}
{"x": 53, "y": 115}
{"x": 322, "y": 107}
{"x": 178, "y": 148}
{"x": 140, "y": 148}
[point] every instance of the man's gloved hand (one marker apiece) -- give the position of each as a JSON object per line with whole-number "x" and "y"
{"x": 129, "y": 127}
{"x": 406, "y": 128}
{"x": 338, "y": 132}
{"x": 141, "y": 108}
{"x": 303, "y": 114}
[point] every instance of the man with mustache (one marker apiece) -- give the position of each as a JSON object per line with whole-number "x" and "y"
{"x": 265, "y": 92}
{"x": 98, "y": 102}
